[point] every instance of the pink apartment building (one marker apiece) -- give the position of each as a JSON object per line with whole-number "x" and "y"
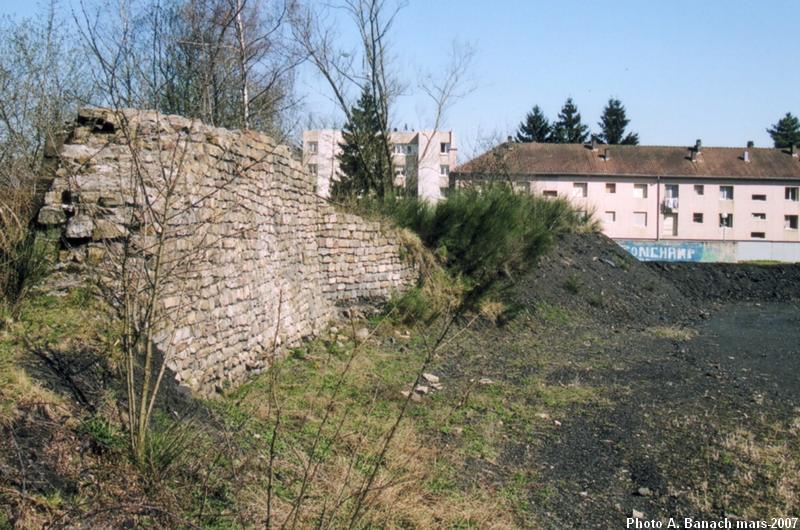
{"x": 672, "y": 203}
{"x": 422, "y": 160}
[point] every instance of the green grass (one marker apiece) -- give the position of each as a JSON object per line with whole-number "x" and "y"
{"x": 104, "y": 435}
{"x": 762, "y": 262}
{"x": 552, "y": 314}
{"x": 47, "y": 321}
{"x": 573, "y": 284}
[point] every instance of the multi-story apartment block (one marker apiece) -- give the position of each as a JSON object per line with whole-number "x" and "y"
{"x": 422, "y": 160}
{"x": 682, "y": 203}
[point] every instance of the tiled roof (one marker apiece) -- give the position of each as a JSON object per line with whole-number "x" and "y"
{"x": 529, "y": 159}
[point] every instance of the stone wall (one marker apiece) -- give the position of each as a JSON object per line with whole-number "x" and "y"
{"x": 253, "y": 254}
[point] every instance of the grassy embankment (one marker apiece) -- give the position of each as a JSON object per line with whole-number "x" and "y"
{"x": 324, "y": 435}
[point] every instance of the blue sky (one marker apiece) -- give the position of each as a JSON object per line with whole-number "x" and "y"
{"x": 718, "y": 70}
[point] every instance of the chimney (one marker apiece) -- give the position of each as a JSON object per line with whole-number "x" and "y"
{"x": 750, "y": 144}
{"x": 746, "y": 156}
{"x": 607, "y": 154}
{"x": 698, "y": 145}
{"x": 793, "y": 150}
{"x": 509, "y": 139}
{"x": 693, "y": 155}
{"x": 594, "y": 143}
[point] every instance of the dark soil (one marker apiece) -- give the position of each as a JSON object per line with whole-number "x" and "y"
{"x": 589, "y": 273}
{"x": 729, "y": 282}
{"x": 678, "y": 357}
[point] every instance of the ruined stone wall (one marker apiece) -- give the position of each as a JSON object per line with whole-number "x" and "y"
{"x": 254, "y": 255}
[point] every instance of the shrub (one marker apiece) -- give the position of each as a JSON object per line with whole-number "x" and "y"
{"x": 488, "y": 233}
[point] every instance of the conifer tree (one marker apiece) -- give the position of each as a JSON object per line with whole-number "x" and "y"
{"x": 535, "y": 128}
{"x": 363, "y": 159}
{"x": 568, "y": 129}
{"x": 786, "y": 132}
{"x": 613, "y": 123}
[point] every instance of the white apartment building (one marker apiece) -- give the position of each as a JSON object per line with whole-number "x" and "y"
{"x": 422, "y": 160}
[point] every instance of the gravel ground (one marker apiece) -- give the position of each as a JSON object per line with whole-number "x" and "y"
{"x": 682, "y": 361}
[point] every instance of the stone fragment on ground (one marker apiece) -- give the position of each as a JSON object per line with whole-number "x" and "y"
{"x": 430, "y": 378}
{"x": 362, "y": 334}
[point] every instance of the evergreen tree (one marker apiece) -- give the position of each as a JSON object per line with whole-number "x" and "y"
{"x": 613, "y": 124}
{"x": 363, "y": 160}
{"x": 569, "y": 129}
{"x": 786, "y": 132}
{"x": 535, "y": 128}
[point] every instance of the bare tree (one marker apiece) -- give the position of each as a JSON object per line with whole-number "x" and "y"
{"x": 42, "y": 81}
{"x": 227, "y": 62}
{"x": 450, "y": 85}
{"x": 373, "y": 20}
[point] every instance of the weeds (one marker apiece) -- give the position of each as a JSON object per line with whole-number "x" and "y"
{"x": 597, "y": 299}
{"x": 573, "y": 284}
{"x": 103, "y": 435}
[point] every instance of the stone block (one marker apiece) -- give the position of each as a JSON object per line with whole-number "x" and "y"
{"x": 52, "y": 215}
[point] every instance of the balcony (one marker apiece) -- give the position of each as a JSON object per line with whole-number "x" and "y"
{"x": 670, "y": 204}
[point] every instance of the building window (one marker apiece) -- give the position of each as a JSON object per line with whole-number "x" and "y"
{"x": 312, "y": 147}
{"x": 312, "y": 168}
{"x": 759, "y": 197}
{"x": 444, "y": 170}
{"x": 640, "y": 218}
{"x": 611, "y": 216}
{"x": 444, "y": 192}
{"x": 697, "y": 217}
{"x": 699, "y": 189}
{"x": 444, "y": 147}
{"x": 640, "y": 191}
{"x": 791, "y": 194}
{"x": 550, "y": 193}
{"x": 726, "y": 193}
{"x": 726, "y": 220}
{"x": 398, "y": 149}
{"x": 611, "y": 187}
{"x": 757, "y": 235}
{"x": 790, "y": 222}
{"x": 522, "y": 187}
{"x": 760, "y": 216}
{"x": 579, "y": 189}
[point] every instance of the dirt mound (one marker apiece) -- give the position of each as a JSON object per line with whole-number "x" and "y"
{"x": 590, "y": 273}
{"x": 726, "y": 282}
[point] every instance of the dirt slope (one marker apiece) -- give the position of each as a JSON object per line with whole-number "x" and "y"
{"x": 591, "y": 274}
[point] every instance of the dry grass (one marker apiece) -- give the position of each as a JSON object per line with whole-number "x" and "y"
{"x": 675, "y": 333}
{"x": 761, "y": 470}
{"x": 491, "y": 309}
{"x": 766, "y": 473}
{"x": 17, "y": 208}
{"x": 414, "y": 488}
